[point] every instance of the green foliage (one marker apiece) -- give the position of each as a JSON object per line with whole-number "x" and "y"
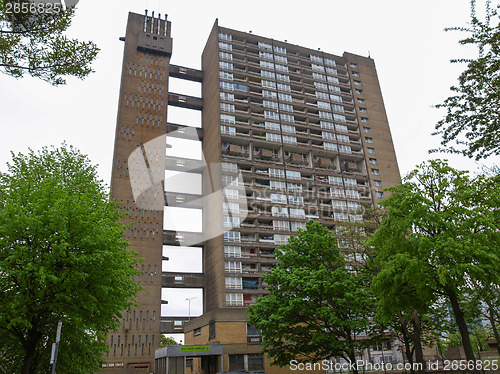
{"x": 316, "y": 306}
{"x": 472, "y": 121}
{"x": 62, "y": 258}
{"x": 34, "y": 43}
{"x": 440, "y": 237}
{"x": 165, "y": 340}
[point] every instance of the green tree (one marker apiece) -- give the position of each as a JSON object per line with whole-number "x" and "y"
{"x": 62, "y": 258}
{"x": 444, "y": 227}
{"x": 317, "y": 306}
{"x": 166, "y": 340}
{"x": 471, "y": 126}
{"x": 32, "y": 42}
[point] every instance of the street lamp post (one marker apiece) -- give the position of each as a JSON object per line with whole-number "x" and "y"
{"x": 189, "y": 306}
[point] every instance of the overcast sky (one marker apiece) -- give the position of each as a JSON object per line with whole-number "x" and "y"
{"x": 405, "y": 39}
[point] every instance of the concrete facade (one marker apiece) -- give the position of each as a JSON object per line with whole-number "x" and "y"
{"x": 288, "y": 134}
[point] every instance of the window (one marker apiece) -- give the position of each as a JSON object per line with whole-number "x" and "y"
{"x": 232, "y": 251}
{"x": 380, "y": 194}
{"x": 294, "y": 187}
{"x": 255, "y": 362}
{"x": 321, "y": 95}
{"x": 339, "y": 204}
{"x": 298, "y": 225}
{"x": 285, "y": 117}
{"x": 341, "y": 128}
{"x": 335, "y": 98}
{"x": 353, "y": 65}
{"x": 330, "y": 146}
{"x": 357, "y": 83}
{"x": 338, "y": 117}
{"x": 332, "y": 80}
{"x": 278, "y": 198}
{"x": 333, "y": 88}
{"x": 266, "y": 55}
{"x": 277, "y": 185}
{"x": 285, "y": 97}
{"x": 289, "y": 129}
{"x": 338, "y": 108}
{"x": 367, "y": 130}
{"x": 286, "y": 107}
{"x": 328, "y": 135}
{"x": 230, "y": 193}
{"x": 295, "y": 200}
{"x": 272, "y": 137}
{"x": 227, "y": 96}
{"x": 370, "y": 150}
{"x": 281, "y": 225}
{"x": 269, "y": 94}
{"x": 352, "y": 194}
{"x": 340, "y": 216}
{"x": 227, "y": 130}
{"x": 327, "y": 125}
{"x": 267, "y": 74}
{"x": 229, "y": 167}
{"x": 281, "y": 59}
{"x": 226, "y": 86}
{"x": 337, "y": 192}
{"x": 323, "y": 105}
{"x": 266, "y": 65}
{"x": 234, "y": 283}
{"x": 319, "y": 77}
{"x": 359, "y": 92}
{"x": 321, "y": 86}
{"x": 230, "y": 207}
{"x": 316, "y": 59}
{"x": 225, "y": 56}
{"x": 227, "y": 107}
{"x": 270, "y": 104}
{"x": 361, "y": 101}
{"x": 283, "y": 77}
{"x": 225, "y": 46}
{"x": 288, "y": 139}
{"x": 232, "y": 222}
{"x": 278, "y": 211}
{"x": 345, "y": 148}
{"x": 363, "y": 110}
{"x": 278, "y": 49}
{"x": 226, "y": 37}
{"x": 236, "y": 362}
{"x": 269, "y": 114}
{"x": 297, "y": 213}
{"x": 373, "y": 161}
{"x": 375, "y": 171}
{"x": 325, "y": 115}
{"x": 342, "y": 138}
{"x": 276, "y": 173}
{"x": 365, "y": 120}
{"x": 265, "y": 46}
{"x": 232, "y": 236}
{"x": 350, "y": 182}
{"x": 369, "y": 140}
{"x": 269, "y": 84}
{"x": 282, "y": 68}
{"x": 330, "y": 62}
{"x": 377, "y": 183}
{"x": 337, "y": 181}
{"x": 352, "y": 205}
{"x": 232, "y": 266}
{"x": 226, "y": 65}
{"x": 355, "y": 74}
{"x": 228, "y": 118}
{"x": 284, "y": 87}
{"x": 292, "y": 174}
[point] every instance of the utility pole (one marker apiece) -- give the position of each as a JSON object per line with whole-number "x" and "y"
{"x": 55, "y": 348}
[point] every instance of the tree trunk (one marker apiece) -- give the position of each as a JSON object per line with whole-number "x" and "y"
{"x": 406, "y": 341}
{"x": 417, "y": 340}
{"x": 493, "y": 326}
{"x": 461, "y": 323}
{"x": 352, "y": 357}
{"x": 30, "y": 357}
